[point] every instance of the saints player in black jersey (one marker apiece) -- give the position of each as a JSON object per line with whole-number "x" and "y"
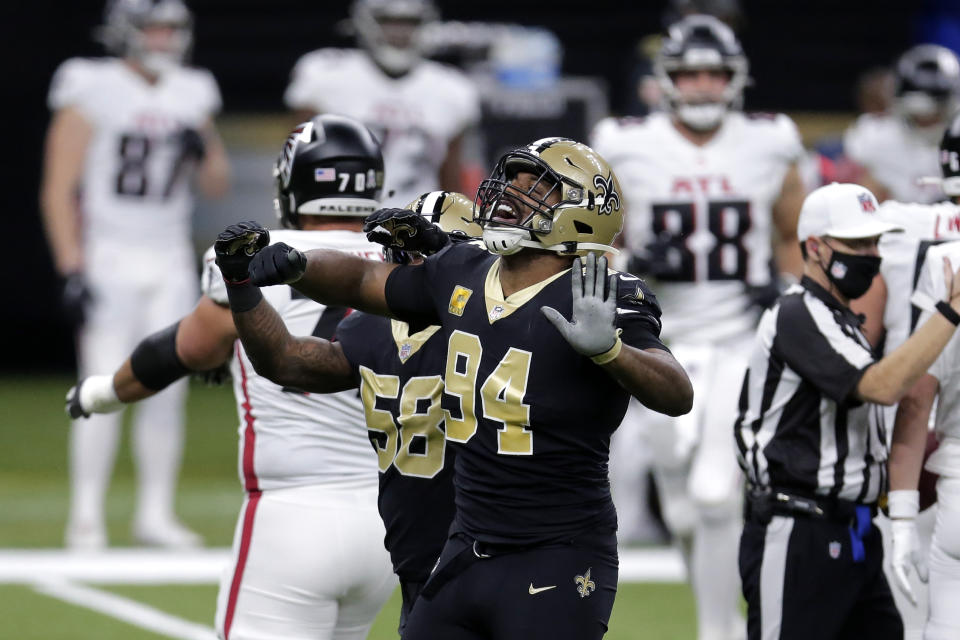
{"x": 530, "y": 398}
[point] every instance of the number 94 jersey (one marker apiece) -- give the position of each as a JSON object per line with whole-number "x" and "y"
{"x": 701, "y": 214}
{"x": 530, "y": 418}
{"x": 137, "y": 169}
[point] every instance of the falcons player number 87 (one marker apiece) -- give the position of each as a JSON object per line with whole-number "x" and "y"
{"x": 146, "y": 162}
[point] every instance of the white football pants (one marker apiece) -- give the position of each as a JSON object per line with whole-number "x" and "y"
{"x": 944, "y": 587}
{"x": 308, "y": 563}
{"x": 134, "y": 295}
{"x": 700, "y": 484}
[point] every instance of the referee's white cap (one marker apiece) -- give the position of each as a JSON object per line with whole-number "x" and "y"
{"x": 842, "y": 211}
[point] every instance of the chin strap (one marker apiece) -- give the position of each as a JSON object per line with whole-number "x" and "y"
{"x": 506, "y": 242}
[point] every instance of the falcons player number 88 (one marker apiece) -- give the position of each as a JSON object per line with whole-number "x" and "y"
{"x": 675, "y": 223}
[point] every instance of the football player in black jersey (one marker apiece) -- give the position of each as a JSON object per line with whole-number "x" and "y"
{"x": 530, "y": 398}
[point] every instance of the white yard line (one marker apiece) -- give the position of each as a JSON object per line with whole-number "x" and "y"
{"x": 114, "y": 566}
{"x": 129, "y": 611}
{"x": 205, "y": 566}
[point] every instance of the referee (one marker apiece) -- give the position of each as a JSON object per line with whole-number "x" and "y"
{"x": 811, "y": 439}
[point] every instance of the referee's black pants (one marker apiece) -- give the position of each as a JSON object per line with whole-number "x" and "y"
{"x": 801, "y": 581}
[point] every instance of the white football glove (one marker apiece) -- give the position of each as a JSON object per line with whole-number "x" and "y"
{"x": 591, "y": 330}
{"x": 906, "y": 556}
{"x": 92, "y": 395}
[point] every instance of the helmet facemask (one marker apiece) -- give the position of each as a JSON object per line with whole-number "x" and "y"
{"x": 701, "y": 43}
{"x": 129, "y": 31}
{"x": 522, "y": 211}
{"x": 927, "y": 84}
{"x": 554, "y": 194}
{"x": 392, "y": 32}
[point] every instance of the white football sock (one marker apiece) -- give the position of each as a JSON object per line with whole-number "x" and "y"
{"x": 716, "y": 578}
{"x": 93, "y": 449}
{"x": 157, "y": 442}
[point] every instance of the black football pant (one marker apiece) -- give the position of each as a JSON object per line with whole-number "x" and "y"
{"x": 806, "y": 578}
{"x": 554, "y": 592}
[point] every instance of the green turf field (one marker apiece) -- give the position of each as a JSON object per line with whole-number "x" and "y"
{"x": 33, "y": 504}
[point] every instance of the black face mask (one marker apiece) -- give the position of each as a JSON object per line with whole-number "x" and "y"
{"x": 852, "y": 273}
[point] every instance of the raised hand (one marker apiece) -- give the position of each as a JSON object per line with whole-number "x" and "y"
{"x": 591, "y": 331}
{"x": 235, "y": 248}
{"x": 277, "y": 264}
{"x": 404, "y": 229}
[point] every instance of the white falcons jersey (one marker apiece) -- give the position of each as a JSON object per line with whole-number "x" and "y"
{"x": 902, "y": 255}
{"x": 135, "y": 186}
{"x": 932, "y": 288}
{"x": 414, "y": 116}
{"x": 289, "y": 438}
{"x": 894, "y": 156}
{"x": 707, "y": 208}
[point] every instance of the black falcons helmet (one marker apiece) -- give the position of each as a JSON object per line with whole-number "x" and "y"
{"x": 950, "y": 157}
{"x": 930, "y": 69}
{"x": 329, "y": 166}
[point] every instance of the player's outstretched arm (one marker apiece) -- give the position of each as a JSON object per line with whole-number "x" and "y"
{"x": 304, "y": 362}
{"x": 890, "y": 378}
{"x": 653, "y": 376}
{"x": 201, "y": 341}
{"x": 327, "y": 276}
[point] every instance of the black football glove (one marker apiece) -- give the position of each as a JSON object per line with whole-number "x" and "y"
{"x": 405, "y": 229}
{"x": 192, "y": 144}
{"x": 235, "y": 248}
{"x": 277, "y": 264}
{"x": 74, "y": 298}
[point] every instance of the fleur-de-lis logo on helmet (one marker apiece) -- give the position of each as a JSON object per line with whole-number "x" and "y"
{"x": 608, "y": 194}
{"x": 585, "y": 586}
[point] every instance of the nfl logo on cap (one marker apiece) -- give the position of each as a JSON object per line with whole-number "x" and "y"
{"x": 866, "y": 203}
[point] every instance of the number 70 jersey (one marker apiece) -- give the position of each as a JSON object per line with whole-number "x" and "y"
{"x": 705, "y": 211}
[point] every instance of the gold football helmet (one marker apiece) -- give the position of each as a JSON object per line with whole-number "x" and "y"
{"x": 587, "y": 213}
{"x": 452, "y": 211}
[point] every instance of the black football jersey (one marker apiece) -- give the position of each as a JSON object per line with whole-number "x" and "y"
{"x": 532, "y": 416}
{"x": 400, "y": 381}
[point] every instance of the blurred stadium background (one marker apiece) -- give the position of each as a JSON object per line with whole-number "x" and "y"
{"x": 806, "y": 57}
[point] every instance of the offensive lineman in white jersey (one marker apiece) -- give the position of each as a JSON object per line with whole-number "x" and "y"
{"x": 128, "y": 136}
{"x": 419, "y": 109}
{"x": 709, "y": 188}
{"x": 308, "y": 554}
{"x": 898, "y": 148}
{"x": 910, "y": 532}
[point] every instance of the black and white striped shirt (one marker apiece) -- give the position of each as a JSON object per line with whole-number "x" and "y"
{"x": 800, "y": 427}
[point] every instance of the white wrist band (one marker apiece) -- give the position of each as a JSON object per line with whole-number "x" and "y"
{"x": 97, "y": 395}
{"x": 903, "y": 504}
